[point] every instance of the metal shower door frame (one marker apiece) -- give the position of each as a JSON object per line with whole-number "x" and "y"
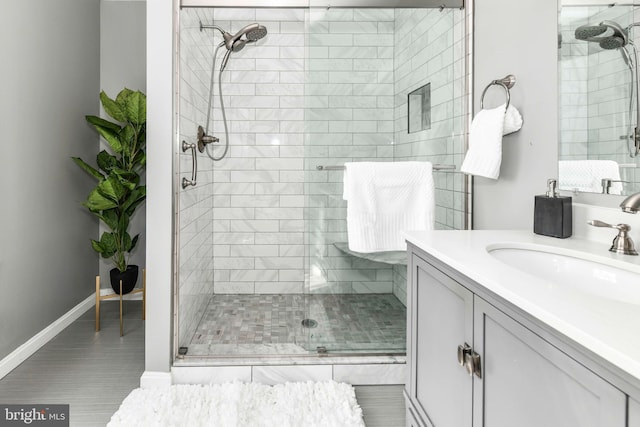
{"x": 326, "y": 3}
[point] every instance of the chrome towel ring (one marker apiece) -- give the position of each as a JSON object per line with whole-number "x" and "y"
{"x": 506, "y": 83}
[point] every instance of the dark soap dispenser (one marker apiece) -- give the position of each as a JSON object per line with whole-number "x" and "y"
{"x": 552, "y": 213}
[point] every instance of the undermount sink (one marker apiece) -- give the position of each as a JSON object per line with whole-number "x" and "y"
{"x": 589, "y": 273}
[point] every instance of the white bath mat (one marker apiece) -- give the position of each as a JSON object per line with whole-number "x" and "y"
{"x": 321, "y": 404}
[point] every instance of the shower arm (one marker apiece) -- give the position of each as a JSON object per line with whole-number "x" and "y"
{"x": 215, "y": 27}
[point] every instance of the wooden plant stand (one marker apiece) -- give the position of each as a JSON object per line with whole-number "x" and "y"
{"x": 99, "y": 298}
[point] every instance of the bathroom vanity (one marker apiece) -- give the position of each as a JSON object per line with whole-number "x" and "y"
{"x": 509, "y": 328}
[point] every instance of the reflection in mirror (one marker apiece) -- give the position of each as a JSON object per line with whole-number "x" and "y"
{"x": 598, "y": 60}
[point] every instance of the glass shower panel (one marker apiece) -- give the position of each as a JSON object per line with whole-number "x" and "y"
{"x": 242, "y": 270}
{"x": 362, "y": 65}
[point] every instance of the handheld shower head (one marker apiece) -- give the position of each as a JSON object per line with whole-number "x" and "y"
{"x": 256, "y": 33}
{"x": 618, "y": 32}
{"x": 613, "y": 42}
{"x": 252, "y": 32}
{"x": 238, "y": 45}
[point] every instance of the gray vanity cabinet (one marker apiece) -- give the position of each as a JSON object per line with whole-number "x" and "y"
{"x": 441, "y": 318}
{"x": 527, "y": 382}
{"x": 518, "y": 378}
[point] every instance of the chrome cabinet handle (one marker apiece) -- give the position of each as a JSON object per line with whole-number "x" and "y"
{"x": 470, "y": 360}
{"x": 463, "y": 351}
{"x": 472, "y": 364}
{"x": 194, "y": 165}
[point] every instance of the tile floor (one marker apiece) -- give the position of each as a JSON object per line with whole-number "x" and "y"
{"x": 256, "y": 324}
{"x": 93, "y": 372}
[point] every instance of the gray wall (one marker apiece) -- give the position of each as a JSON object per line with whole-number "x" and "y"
{"x": 520, "y": 38}
{"x": 123, "y": 64}
{"x": 50, "y": 75}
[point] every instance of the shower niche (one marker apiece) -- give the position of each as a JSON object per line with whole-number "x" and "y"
{"x": 419, "y": 109}
{"x": 258, "y": 272}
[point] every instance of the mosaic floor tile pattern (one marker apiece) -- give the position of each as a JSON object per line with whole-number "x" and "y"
{"x": 254, "y": 324}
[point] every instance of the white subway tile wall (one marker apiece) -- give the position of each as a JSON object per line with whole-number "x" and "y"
{"x": 594, "y": 95}
{"x": 322, "y": 88}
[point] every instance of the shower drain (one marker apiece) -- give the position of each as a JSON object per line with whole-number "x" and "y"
{"x": 309, "y": 323}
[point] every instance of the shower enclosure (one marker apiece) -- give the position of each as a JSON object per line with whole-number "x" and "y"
{"x": 262, "y": 264}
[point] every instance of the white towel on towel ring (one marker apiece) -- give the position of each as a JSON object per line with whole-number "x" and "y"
{"x": 512, "y": 120}
{"x": 484, "y": 156}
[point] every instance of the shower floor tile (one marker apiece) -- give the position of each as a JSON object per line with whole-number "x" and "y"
{"x": 272, "y": 324}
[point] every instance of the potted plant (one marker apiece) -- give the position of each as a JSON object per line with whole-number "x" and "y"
{"x": 118, "y": 192}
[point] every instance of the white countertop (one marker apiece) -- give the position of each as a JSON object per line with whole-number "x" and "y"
{"x": 608, "y": 328}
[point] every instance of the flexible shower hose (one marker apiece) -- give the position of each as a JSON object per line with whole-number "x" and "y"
{"x": 633, "y": 148}
{"x": 224, "y": 115}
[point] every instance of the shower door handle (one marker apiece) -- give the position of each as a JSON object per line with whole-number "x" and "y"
{"x": 194, "y": 165}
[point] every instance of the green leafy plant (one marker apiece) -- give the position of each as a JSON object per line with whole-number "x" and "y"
{"x": 118, "y": 192}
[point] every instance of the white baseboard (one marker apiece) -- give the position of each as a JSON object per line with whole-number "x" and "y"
{"x": 155, "y": 379}
{"x": 19, "y": 355}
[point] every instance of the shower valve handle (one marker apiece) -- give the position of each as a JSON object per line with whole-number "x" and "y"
{"x": 204, "y": 139}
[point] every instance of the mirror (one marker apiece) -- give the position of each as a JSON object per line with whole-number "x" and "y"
{"x": 597, "y": 58}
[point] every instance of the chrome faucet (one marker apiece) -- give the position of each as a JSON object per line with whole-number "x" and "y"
{"x": 631, "y": 204}
{"x": 622, "y": 243}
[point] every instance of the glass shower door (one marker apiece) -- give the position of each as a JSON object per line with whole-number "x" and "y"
{"x": 362, "y": 65}
{"x": 349, "y": 116}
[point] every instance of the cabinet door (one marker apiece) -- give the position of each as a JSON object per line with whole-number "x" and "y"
{"x": 440, "y": 318}
{"x": 634, "y": 413}
{"x": 527, "y": 382}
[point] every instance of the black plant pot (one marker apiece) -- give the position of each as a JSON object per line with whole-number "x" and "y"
{"x": 129, "y": 279}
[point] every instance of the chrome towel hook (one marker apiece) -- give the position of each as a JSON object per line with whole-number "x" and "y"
{"x": 506, "y": 82}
